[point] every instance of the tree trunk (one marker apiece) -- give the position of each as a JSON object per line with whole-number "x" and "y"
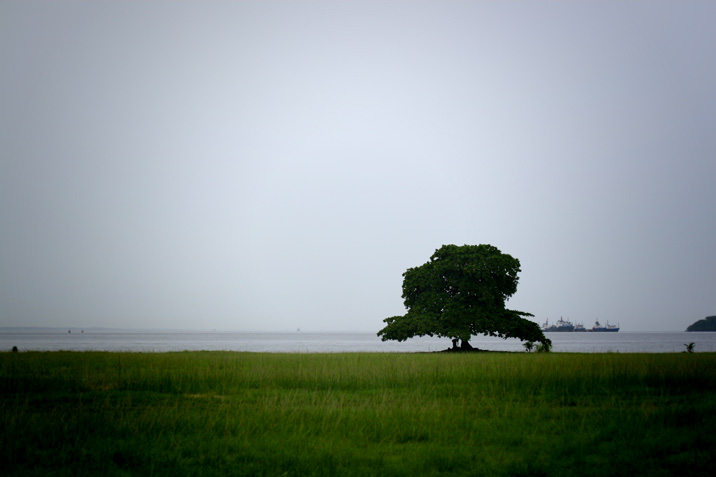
{"x": 465, "y": 345}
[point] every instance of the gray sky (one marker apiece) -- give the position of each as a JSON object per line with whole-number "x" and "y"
{"x": 274, "y": 165}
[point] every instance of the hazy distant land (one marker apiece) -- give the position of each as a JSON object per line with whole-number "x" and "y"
{"x": 707, "y": 324}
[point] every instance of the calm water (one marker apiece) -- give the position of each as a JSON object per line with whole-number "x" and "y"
{"x": 302, "y": 342}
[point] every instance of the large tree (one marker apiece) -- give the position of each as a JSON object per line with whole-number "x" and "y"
{"x": 459, "y": 293}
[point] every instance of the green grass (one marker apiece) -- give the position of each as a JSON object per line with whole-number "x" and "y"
{"x": 225, "y": 413}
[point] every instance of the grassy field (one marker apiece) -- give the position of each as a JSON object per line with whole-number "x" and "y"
{"x": 227, "y": 413}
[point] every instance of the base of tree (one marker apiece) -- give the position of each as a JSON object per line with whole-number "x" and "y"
{"x": 464, "y": 350}
{"x": 465, "y": 347}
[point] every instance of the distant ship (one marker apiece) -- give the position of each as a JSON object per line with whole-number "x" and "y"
{"x": 561, "y": 325}
{"x": 598, "y": 327}
{"x": 567, "y": 326}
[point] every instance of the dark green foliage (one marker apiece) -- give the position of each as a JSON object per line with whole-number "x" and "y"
{"x": 462, "y": 292}
{"x": 707, "y": 324}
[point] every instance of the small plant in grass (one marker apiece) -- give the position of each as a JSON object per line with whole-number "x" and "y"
{"x": 545, "y": 347}
{"x": 529, "y": 346}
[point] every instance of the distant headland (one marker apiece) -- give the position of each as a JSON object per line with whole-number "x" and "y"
{"x": 707, "y": 324}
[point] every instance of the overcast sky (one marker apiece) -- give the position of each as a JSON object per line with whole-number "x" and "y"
{"x": 276, "y": 165}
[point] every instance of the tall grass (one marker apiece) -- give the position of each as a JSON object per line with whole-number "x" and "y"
{"x": 219, "y": 413}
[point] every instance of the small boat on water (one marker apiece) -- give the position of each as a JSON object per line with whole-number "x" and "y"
{"x": 599, "y": 327}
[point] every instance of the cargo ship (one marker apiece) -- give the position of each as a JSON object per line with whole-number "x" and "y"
{"x": 561, "y": 325}
{"x": 567, "y": 326}
{"x": 599, "y": 327}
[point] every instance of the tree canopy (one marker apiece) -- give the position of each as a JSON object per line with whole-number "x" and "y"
{"x": 459, "y": 293}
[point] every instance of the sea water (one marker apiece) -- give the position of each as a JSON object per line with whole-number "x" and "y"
{"x": 304, "y": 342}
